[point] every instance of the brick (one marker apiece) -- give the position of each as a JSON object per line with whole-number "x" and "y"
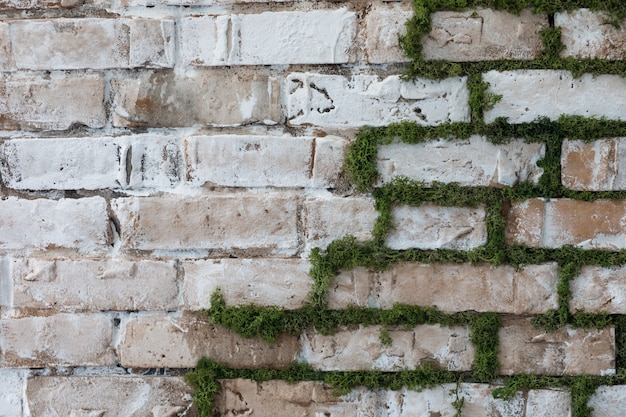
{"x": 262, "y": 399}
{"x": 336, "y": 101}
{"x": 13, "y": 383}
{"x": 49, "y": 4}
{"x": 91, "y": 285}
{"x": 218, "y": 221}
{"x": 32, "y": 102}
{"x": 484, "y": 35}
{"x": 450, "y": 287}
{"x": 384, "y": 23}
{"x": 588, "y": 34}
{"x": 152, "y": 42}
{"x": 61, "y": 164}
{"x": 594, "y": 166}
{"x": 220, "y": 98}
{"x": 311, "y": 37}
{"x": 328, "y": 162}
{"x": 526, "y": 349}
{"x": 57, "y": 340}
{"x": 470, "y": 162}
{"x": 529, "y": 94}
{"x": 598, "y": 289}
{"x": 6, "y": 57}
{"x": 87, "y": 396}
{"x": 607, "y": 401}
{"x": 332, "y": 218}
{"x": 433, "y": 227}
{"x": 250, "y": 161}
{"x": 67, "y": 223}
{"x": 163, "y": 341}
{"x": 267, "y": 282}
{"x": 361, "y": 349}
{"x": 588, "y": 225}
{"x": 152, "y": 161}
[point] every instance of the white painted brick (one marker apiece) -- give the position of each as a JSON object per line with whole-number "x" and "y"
{"x": 91, "y": 285}
{"x": 470, "y": 162}
{"x": 598, "y": 289}
{"x": 153, "y": 161}
{"x": 332, "y": 218}
{"x": 266, "y": 282}
{"x": 290, "y": 37}
{"x": 265, "y": 222}
{"x": 361, "y": 349}
{"x": 89, "y": 396}
{"x": 152, "y": 42}
{"x": 384, "y": 23}
{"x": 12, "y": 387}
{"x": 529, "y": 94}
{"x": 6, "y": 58}
{"x": 608, "y": 401}
{"x": 32, "y": 102}
{"x": 61, "y": 164}
{"x": 594, "y": 166}
{"x": 165, "y": 341}
{"x": 433, "y": 227}
{"x": 58, "y": 340}
{"x": 483, "y": 35}
{"x": 548, "y": 403}
{"x": 340, "y": 102}
{"x": 587, "y": 34}
{"x": 328, "y": 163}
{"x": 250, "y": 161}
{"x": 67, "y": 223}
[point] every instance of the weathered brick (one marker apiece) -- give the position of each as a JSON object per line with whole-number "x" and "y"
{"x": 450, "y": 287}
{"x": 587, "y": 34}
{"x": 267, "y": 282}
{"x": 484, "y": 35}
{"x": 88, "y": 285}
{"x": 384, "y": 23}
{"x": 88, "y": 396}
{"x": 588, "y": 225}
{"x": 163, "y": 341}
{"x": 594, "y": 166}
{"x": 223, "y": 97}
{"x": 58, "y": 340}
{"x": 470, "y": 162}
{"x": 152, "y": 42}
{"x": 328, "y": 162}
{"x": 332, "y": 218}
{"x": 49, "y": 4}
{"x": 309, "y": 398}
{"x": 339, "y": 102}
{"x": 303, "y": 37}
{"x": 598, "y": 289}
{"x": 151, "y": 161}
{"x": 529, "y": 94}
{"x": 32, "y": 102}
{"x": 67, "y": 223}
{"x": 434, "y": 227}
{"x": 362, "y": 349}
{"x": 12, "y": 383}
{"x": 217, "y": 221}
{"x": 6, "y": 58}
{"x": 608, "y": 401}
{"x": 526, "y": 349}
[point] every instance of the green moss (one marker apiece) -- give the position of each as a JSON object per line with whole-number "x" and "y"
{"x": 485, "y": 339}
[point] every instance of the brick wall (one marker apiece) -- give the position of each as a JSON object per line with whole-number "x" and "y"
{"x": 338, "y": 224}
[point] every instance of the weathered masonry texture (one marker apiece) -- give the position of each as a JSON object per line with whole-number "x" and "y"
{"x": 235, "y": 207}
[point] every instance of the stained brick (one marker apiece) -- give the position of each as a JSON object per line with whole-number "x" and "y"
{"x": 598, "y": 289}
{"x": 587, "y": 34}
{"x": 594, "y": 166}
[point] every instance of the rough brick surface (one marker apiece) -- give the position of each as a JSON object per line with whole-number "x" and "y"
{"x": 68, "y": 223}
{"x": 32, "y": 102}
{"x": 163, "y": 341}
{"x": 13, "y": 383}
{"x": 362, "y": 349}
{"x": 107, "y": 284}
{"x": 165, "y": 99}
{"x": 594, "y": 166}
{"x": 383, "y": 24}
{"x": 108, "y": 395}
{"x": 558, "y": 222}
{"x": 264, "y": 222}
{"x": 526, "y": 349}
{"x": 268, "y": 282}
{"x": 470, "y": 162}
{"x": 433, "y": 227}
{"x": 586, "y": 34}
{"x": 35, "y": 342}
{"x": 313, "y": 37}
{"x": 598, "y": 289}
{"x": 450, "y": 287}
{"x": 483, "y": 35}
{"x": 151, "y": 161}
{"x": 529, "y": 94}
{"x": 339, "y": 102}
{"x": 608, "y": 401}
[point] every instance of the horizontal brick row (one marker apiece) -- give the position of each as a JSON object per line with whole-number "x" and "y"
{"x": 160, "y": 340}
